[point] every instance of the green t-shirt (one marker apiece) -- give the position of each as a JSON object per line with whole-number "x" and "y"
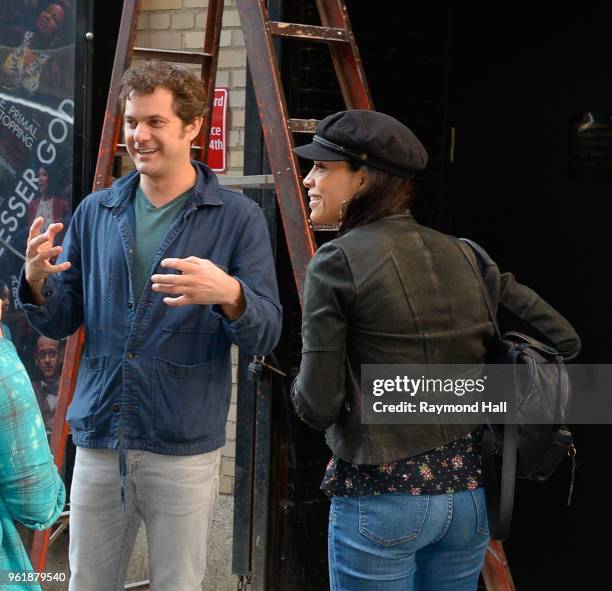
{"x": 152, "y": 224}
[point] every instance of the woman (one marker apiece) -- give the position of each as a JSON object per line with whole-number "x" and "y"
{"x": 31, "y": 490}
{"x": 48, "y": 204}
{"x": 408, "y": 509}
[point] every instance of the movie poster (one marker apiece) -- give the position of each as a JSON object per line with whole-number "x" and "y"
{"x": 37, "y": 50}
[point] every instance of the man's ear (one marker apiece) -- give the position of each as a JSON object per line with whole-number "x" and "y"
{"x": 192, "y": 129}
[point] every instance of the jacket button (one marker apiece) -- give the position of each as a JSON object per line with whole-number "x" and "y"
{"x": 131, "y": 355}
{"x": 115, "y": 407}
{"x": 130, "y": 305}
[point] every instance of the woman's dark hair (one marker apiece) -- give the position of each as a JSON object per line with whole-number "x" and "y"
{"x": 384, "y": 194}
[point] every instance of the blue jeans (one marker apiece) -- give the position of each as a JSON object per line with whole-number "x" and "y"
{"x": 398, "y": 541}
{"x": 173, "y": 495}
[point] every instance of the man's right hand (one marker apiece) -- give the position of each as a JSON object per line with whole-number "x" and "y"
{"x": 39, "y": 252}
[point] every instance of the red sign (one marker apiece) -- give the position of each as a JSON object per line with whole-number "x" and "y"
{"x": 217, "y": 145}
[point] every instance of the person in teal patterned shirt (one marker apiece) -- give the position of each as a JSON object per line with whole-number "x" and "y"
{"x": 31, "y": 490}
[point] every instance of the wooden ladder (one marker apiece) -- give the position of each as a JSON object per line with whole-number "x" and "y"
{"x": 278, "y": 127}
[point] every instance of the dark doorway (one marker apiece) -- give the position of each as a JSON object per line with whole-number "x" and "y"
{"x": 521, "y": 74}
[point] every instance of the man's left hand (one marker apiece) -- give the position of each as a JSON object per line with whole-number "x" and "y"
{"x": 200, "y": 282}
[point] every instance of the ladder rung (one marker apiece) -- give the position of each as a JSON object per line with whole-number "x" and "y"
{"x": 142, "y": 585}
{"x": 253, "y": 181}
{"x": 308, "y": 32}
{"x": 123, "y": 148}
{"x": 171, "y": 55}
{"x": 303, "y": 125}
{"x": 64, "y": 516}
{"x": 58, "y": 530}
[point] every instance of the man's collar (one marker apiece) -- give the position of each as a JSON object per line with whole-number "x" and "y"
{"x": 206, "y": 190}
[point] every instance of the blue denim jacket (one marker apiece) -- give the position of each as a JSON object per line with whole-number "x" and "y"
{"x": 154, "y": 377}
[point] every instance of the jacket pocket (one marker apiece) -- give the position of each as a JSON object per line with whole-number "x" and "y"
{"x": 185, "y": 407}
{"x": 90, "y": 384}
{"x": 392, "y": 518}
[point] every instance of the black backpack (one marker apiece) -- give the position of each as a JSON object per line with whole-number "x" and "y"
{"x": 523, "y": 449}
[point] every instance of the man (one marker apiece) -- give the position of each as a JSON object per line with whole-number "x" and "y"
{"x": 166, "y": 269}
{"x": 47, "y": 362}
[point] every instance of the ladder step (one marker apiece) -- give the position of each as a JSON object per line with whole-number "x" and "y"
{"x": 58, "y": 530}
{"x": 171, "y": 55}
{"x": 142, "y": 585}
{"x": 308, "y": 32}
{"x": 253, "y": 181}
{"x": 303, "y": 125}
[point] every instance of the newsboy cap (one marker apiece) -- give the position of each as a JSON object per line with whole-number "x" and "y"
{"x": 376, "y": 139}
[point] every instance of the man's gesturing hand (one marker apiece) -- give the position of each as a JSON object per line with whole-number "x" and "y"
{"x": 39, "y": 252}
{"x": 200, "y": 282}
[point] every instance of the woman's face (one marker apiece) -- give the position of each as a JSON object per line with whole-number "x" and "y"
{"x": 43, "y": 180}
{"x": 329, "y": 183}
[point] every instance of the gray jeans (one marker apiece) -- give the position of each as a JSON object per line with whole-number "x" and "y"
{"x": 174, "y": 495}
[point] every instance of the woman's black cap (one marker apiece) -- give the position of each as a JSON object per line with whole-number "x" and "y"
{"x": 376, "y": 139}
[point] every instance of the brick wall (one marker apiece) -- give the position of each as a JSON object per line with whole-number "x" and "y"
{"x": 179, "y": 24}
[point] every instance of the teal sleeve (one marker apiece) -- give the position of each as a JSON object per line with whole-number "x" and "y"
{"x": 30, "y": 487}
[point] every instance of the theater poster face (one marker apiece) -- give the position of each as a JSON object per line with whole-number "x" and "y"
{"x": 37, "y": 49}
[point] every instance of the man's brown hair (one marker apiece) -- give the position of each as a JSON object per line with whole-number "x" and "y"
{"x": 186, "y": 88}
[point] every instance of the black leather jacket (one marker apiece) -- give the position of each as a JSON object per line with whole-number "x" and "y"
{"x": 395, "y": 292}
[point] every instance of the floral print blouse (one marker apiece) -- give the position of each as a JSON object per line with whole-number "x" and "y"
{"x": 451, "y": 468}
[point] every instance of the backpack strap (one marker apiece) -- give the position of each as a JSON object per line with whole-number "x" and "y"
{"x": 500, "y": 497}
{"x": 468, "y": 253}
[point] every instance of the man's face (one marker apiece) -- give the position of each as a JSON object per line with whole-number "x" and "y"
{"x": 47, "y": 356}
{"x": 50, "y": 19}
{"x": 157, "y": 139}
